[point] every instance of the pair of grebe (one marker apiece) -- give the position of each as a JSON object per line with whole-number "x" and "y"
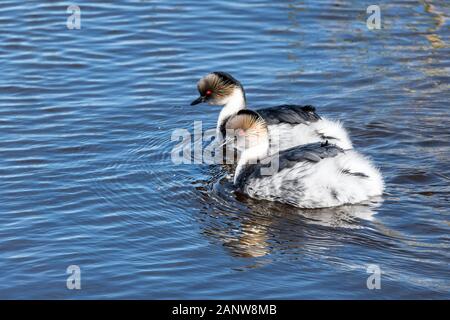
{"x": 317, "y": 166}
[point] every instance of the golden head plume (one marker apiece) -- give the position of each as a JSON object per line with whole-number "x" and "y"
{"x": 217, "y": 85}
{"x": 248, "y": 123}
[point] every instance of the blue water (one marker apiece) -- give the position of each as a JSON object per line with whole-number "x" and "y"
{"x": 86, "y": 118}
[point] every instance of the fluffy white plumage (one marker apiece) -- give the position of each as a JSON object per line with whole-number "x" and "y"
{"x": 318, "y": 175}
{"x": 285, "y": 136}
{"x": 327, "y": 183}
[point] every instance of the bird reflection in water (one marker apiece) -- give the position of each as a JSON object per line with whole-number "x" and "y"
{"x": 250, "y": 228}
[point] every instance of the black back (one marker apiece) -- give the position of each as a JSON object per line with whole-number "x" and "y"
{"x": 289, "y": 113}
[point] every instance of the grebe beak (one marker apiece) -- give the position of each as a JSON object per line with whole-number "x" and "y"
{"x": 198, "y": 100}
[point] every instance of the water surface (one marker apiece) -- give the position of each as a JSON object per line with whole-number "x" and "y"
{"x": 86, "y": 118}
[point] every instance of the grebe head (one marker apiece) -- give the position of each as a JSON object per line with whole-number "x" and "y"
{"x": 249, "y": 130}
{"x": 219, "y": 88}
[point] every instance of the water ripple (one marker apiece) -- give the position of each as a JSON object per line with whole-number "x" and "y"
{"x": 85, "y": 149}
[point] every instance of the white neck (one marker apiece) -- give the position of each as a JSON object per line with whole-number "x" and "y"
{"x": 235, "y": 103}
{"x": 251, "y": 155}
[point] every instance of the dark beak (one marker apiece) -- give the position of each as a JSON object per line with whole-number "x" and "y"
{"x": 198, "y": 100}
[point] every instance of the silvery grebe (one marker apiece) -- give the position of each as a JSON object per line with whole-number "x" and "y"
{"x": 289, "y": 125}
{"x": 316, "y": 175}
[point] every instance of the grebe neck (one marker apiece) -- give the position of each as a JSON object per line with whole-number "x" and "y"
{"x": 235, "y": 103}
{"x": 251, "y": 156}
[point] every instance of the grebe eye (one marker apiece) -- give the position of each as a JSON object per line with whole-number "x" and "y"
{"x": 208, "y": 92}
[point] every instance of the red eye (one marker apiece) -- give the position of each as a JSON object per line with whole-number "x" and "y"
{"x": 208, "y": 92}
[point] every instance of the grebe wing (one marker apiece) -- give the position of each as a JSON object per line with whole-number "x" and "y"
{"x": 310, "y": 153}
{"x": 288, "y": 113}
